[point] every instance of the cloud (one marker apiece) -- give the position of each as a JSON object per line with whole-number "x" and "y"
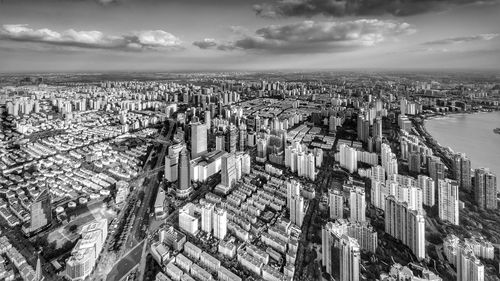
{"x": 135, "y": 41}
{"x": 107, "y": 2}
{"x": 206, "y": 43}
{"x": 463, "y": 39}
{"x": 315, "y": 37}
{"x": 339, "y": 8}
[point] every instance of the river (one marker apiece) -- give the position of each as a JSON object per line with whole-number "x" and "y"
{"x": 471, "y": 134}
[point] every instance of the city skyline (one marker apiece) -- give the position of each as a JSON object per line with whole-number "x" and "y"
{"x": 258, "y": 35}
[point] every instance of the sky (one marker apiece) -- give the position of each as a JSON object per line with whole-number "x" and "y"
{"x": 248, "y": 35}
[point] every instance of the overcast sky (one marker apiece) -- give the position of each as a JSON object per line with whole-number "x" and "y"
{"x": 196, "y": 35}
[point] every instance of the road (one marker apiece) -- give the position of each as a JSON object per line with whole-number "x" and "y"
{"x": 131, "y": 240}
{"x": 142, "y": 212}
{"x": 127, "y": 264}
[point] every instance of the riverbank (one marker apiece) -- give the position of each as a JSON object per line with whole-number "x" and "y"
{"x": 470, "y": 134}
{"x": 438, "y": 149}
{"x": 452, "y": 113}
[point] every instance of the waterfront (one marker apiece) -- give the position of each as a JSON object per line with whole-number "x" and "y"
{"x": 471, "y": 134}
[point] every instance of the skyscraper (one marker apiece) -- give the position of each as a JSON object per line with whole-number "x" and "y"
{"x": 428, "y": 186}
{"x": 336, "y": 203}
{"x": 461, "y": 171}
{"x": 228, "y": 170}
{"x": 448, "y": 200}
{"x": 220, "y": 142}
{"x": 184, "y": 187}
{"x": 485, "y": 189}
{"x": 38, "y": 270}
{"x": 435, "y": 168}
{"x": 348, "y": 158}
{"x": 231, "y": 139}
{"x": 377, "y": 127}
{"x": 414, "y": 162}
{"x": 172, "y": 162}
{"x": 198, "y": 139}
{"x": 220, "y": 223}
{"x": 86, "y": 252}
{"x": 295, "y": 202}
{"x": 388, "y": 160}
{"x": 40, "y": 211}
{"x": 350, "y": 259}
{"x": 243, "y": 137}
{"x": 341, "y": 254}
{"x": 357, "y": 204}
{"x": 207, "y": 211}
{"x": 406, "y": 225}
{"x": 469, "y": 267}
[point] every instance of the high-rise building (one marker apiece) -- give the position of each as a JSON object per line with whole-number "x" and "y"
{"x": 220, "y": 142}
{"x": 187, "y": 221}
{"x": 453, "y": 249}
{"x": 435, "y": 168}
{"x": 220, "y": 223}
{"x": 341, "y": 254}
{"x": 363, "y": 232}
{"x": 311, "y": 166}
{"x": 295, "y": 202}
{"x": 448, "y": 200}
{"x": 469, "y": 267}
{"x": 378, "y": 173}
{"x": 336, "y": 203}
{"x": 462, "y": 171}
{"x": 357, "y": 204}
{"x": 363, "y": 127}
{"x": 38, "y": 270}
{"x": 184, "y": 187}
{"x": 348, "y": 158}
{"x": 379, "y": 192}
{"x": 231, "y": 139}
{"x": 86, "y": 251}
{"x": 350, "y": 257}
{"x": 40, "y": 211}
{"x": 228, "y": 170}
{"x": 243, "y": 137}
{"x": 245, "y": 164}
{"x": 198, "y": 139}
{"x": 207, "y": 211}
{"x": 377, "y": 127}
{"x": 485, "y": 189}
{"x": 406, "y": 225}
{"x": 414, "y": 162}
{"x": 427, "y": 185}
{"x": 172, "y": 162}
{"x": 389, "y": 160}
{"x": 208, "y": 119}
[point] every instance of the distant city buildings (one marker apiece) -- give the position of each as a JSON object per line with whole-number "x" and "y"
{"x": 79, "y": 148}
